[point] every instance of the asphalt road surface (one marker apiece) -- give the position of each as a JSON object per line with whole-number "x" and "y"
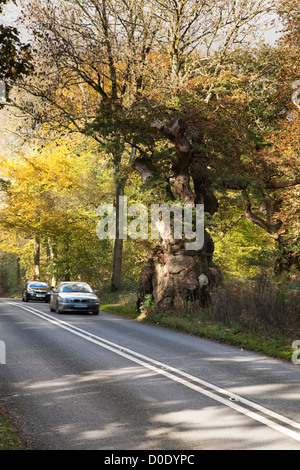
{"x": 82, "y": 382}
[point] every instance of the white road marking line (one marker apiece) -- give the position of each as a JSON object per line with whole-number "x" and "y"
{"x": 232, "y": 401}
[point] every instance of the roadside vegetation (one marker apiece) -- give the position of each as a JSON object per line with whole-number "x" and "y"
{"x": 9, "y": 438}
{"x": 257, "y": 315}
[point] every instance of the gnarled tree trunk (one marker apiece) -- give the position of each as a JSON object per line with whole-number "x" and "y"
{"x": 173, "y": 274}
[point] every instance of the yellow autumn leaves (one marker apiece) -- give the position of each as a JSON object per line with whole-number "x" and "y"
{"x": 49, "y": 192}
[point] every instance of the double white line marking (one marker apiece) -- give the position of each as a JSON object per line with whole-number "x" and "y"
{"x": 254, "y": 411}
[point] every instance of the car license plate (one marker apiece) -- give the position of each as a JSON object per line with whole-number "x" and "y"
{"x": 40, "y": 295}
{"x": 80, "y": 306}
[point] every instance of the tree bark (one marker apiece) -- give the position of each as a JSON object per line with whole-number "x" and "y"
{"x": 116, "y": 278}
{"x": 283, "y": 184}
{"x": 172, "y": 274}
{"x": 176, "y": 134}
{"x": 51, "y": 256}
{"x": 37, "y": 256}
{"x": 273, "y": 228}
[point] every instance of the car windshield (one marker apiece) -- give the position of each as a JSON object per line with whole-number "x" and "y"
{"x": 76, "y": 287}
{"x": 38, "y": 284}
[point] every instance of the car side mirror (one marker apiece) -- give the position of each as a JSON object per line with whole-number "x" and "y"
{"x": 54, "y": 290}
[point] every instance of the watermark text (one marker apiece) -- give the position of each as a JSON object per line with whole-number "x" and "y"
{"x": 296, "y": 353}
{"x": 160, "y": 221}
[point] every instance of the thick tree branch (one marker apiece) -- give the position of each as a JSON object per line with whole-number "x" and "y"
{"x": 188, "y": 163}
{"x": 272, "y": 228}
{"x": 240, "y": 186}
{"x": 176, "y": 134}
{"x": 283, "y": 184}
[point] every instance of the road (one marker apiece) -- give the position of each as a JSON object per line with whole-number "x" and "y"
{"x": 80, "y": 382}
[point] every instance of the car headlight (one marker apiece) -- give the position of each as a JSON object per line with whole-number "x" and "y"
{"x": 61, "y": 299}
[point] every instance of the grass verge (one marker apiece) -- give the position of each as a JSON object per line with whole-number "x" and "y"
{"x": 265, "y": 342}
{"x": 260, "y": 315}
{"x": 9, "y": 439}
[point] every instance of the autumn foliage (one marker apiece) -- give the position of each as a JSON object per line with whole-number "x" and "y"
{"x": 163, "y": 101}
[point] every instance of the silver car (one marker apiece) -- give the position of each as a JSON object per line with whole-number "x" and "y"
{"x": 74, "y": 296}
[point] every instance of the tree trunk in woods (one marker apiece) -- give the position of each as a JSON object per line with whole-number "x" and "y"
{"x": 288, "y": 257}
{"x": 116, "y": 278}
{"x": 51, "y": 256}
{"x": 67, "y": 267}
{"x": 19, "y": 277}
{"x": 172, "y": 274}
{"x": 37, "y": 256}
